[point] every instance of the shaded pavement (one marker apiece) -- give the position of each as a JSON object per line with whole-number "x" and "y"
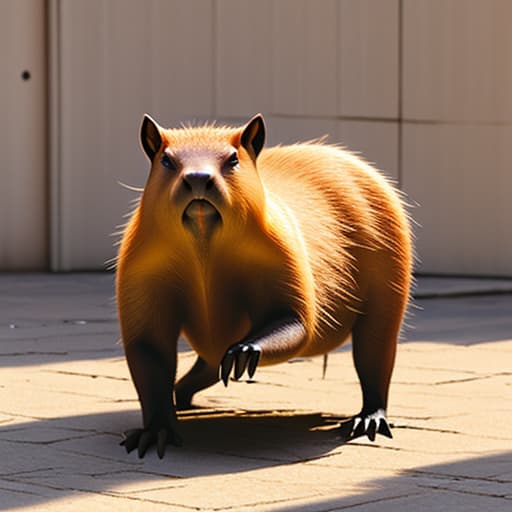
{"x": 66, "y": 395}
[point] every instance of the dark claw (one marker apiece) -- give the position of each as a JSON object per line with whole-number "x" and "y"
{"x": 254, "y": 359}
{"x": 241, "y": 361}
{"x": 359, "y": 429}
{"x": 384, "y": 428}
{"x": 161, "y": 443}
{"x": 366, "y": 424}
{"x": 142, "y": 439}
{"x": 243, "y": 356}
{"x": 145, "y": 441}
{"x": 131, "y": 440}
{"x": 226, "y": 365}
{"x": 371, "y": 430}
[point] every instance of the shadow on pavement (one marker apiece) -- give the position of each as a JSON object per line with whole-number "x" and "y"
{"x": 454, "y": 486}
{"x": 48, "y": 460}
{"x": 51, "y": 318}
{"x": 460, "y": 320}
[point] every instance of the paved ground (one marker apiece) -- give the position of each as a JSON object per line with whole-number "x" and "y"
{"x": 65, "y": 396}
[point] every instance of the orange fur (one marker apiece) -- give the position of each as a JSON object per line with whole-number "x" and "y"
{"x": 313, "y": 229}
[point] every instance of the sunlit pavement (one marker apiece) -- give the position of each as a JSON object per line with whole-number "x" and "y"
{"x": 268, "y": 445}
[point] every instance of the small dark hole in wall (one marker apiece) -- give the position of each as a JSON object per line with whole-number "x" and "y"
{"x": 25, "y": 75}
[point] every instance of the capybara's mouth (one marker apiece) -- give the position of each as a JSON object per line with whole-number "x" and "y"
{"x": 201, "y": 217}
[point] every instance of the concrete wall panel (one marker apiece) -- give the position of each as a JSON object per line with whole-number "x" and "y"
{"x": 368, "y": 58}
{"x": 457, "y": 60}
{"x": 460, "y": 177}
{"x": 23, "y": 137}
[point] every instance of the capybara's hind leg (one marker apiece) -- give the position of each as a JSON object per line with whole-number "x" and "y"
{"x": 199, "y": 377}
{"x": 374, "y": 340}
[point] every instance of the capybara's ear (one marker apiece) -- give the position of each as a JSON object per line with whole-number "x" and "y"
{"x": 150, "y": 136}
{"x": 253, "y": 136}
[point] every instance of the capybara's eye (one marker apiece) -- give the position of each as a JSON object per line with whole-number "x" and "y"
{"x": 232, "y": 161}
{"x": 168, "y": 162}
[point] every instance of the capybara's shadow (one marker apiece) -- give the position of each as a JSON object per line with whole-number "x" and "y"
{"x": 51, "y": 458}
{"x": 276, "y": 436}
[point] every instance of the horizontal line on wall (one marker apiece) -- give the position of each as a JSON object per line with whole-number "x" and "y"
{"x": 368, "y": 119}
{"x": 336, "y": 118}
{"x": 450, "y": 122}
{"x": 361, "y": 119}
{"x": 267, "y": 115}
{"x": 457, "y": 122}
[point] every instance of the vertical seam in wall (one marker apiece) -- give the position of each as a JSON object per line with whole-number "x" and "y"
{"x": 153, "y": 47}
{"x": 273, "y": 15}
{"x": 47, "y": 139}
{"x": 338, "y": 70}
{"x": 400, "y": 93}
{"x": 54, "y": 124}
{"x": 215, "y": 52}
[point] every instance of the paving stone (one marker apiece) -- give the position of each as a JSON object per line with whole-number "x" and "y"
{"x": 269, "y": 445}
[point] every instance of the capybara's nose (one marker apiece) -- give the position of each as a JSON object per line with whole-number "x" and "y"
{"x": 198, "y": 182}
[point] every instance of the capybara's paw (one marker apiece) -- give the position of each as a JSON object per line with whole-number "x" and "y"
{"x": 366, "y": 424}
{"x": 242, "y": 356}
{"x": 143, "y": 438}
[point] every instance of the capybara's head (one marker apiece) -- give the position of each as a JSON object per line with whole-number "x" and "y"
{"x": 203, "y": 179}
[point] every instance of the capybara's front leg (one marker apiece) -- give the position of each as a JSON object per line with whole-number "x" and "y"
{"x": 277, "y": 342}
{"x": 153, "y": 370}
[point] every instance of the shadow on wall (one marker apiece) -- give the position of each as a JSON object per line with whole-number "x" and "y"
{"x": 50, "y": 460}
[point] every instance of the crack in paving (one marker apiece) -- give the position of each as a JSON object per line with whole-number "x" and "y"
{"x": 444, "y": 476}
{"x": 378, "y": 500}
{"x": 14, "y": 429}
{"x": 428, "y": 429}
{"x": 439, "y": 369}
{"x": 430, "y": 418}
{"x": 336, "y": 506}
{"x": 19, "y": 491}
{"x": 104, "y": 458}
{"x": 29, "y": 472}
{"x": 158, "y": 488}
{"x": 85, "y": 374}
{"x": 447, "y": 431}
{"x": 265, "y": 502}
{"x": 463, "y": 491}
{"x": 470, "y": 379}
{"x": 111, "y": 494}
{"x": 47, "y": 422}
{"x": 45, "y": 443}
{"x": 57, "y": 335}
{"x": 377, "y": 446}
{"x": 24, "y": 416}
{"x": 254, "y": 457}
{"x": 33, "y": 353}
{"x": 103, "y": 474}
{"x": 99, "y": 398}
{"x": 475, "y": 377}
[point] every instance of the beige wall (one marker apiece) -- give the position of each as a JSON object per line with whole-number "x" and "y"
{"x": 457, "y": 134}
{"x": 297, "y": 61}
{"x": 23, "y": 136}
{"x": 420, "y": 87}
